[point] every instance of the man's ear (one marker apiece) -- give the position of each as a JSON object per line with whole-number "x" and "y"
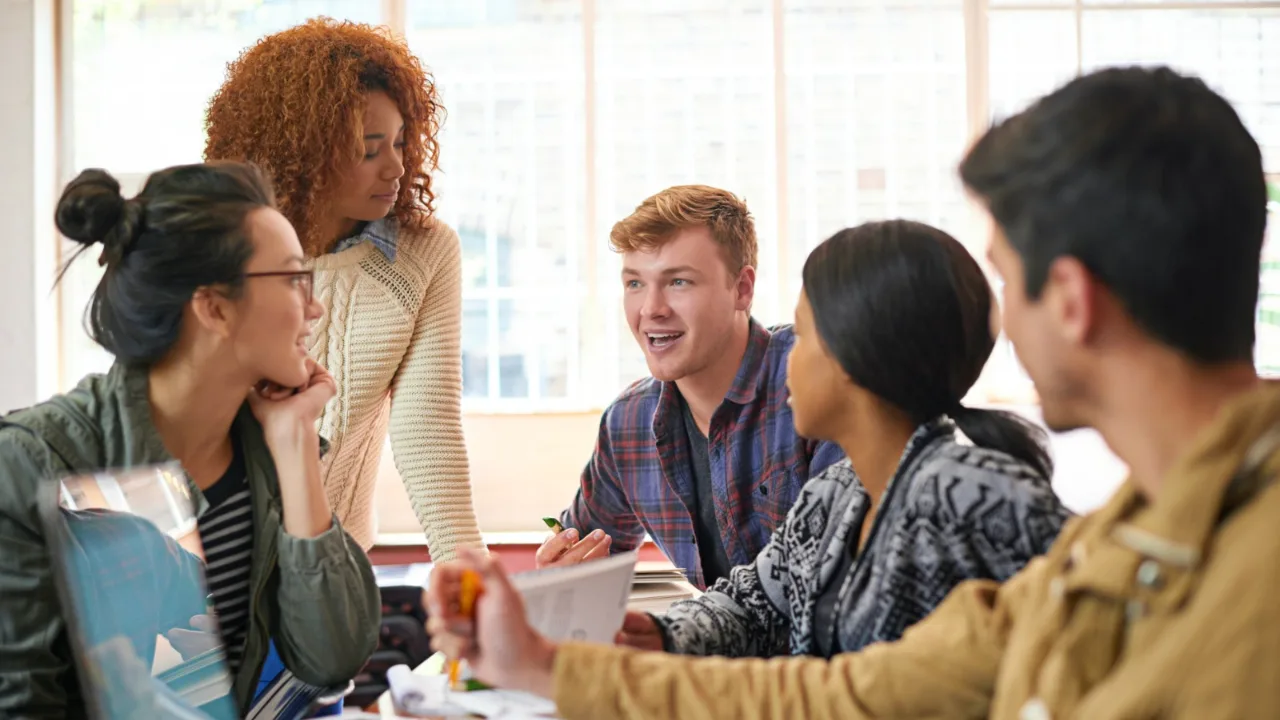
{"x": 1071, "y": 294}
{"x": 213, "y": 310}
{"x": 746, "y": 287}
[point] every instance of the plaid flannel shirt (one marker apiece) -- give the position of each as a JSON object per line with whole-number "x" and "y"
{"x": 640, "y": 478}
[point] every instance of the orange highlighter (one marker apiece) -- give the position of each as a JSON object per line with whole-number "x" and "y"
{"x": 471, "y": 589}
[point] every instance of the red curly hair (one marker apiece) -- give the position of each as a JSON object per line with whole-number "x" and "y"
{"x": 293, "y": 104}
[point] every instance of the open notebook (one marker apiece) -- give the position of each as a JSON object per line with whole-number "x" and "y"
{"x": 129, "y": 567}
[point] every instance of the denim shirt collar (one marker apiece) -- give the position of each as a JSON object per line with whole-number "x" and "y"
{"x": 382, "y": 233}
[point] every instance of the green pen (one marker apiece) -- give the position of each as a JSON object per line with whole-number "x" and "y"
{"x": 554, "y": 524}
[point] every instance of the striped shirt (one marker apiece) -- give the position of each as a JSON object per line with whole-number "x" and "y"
{"x": 640, "y": 478}
{"x": 226, "y": 531}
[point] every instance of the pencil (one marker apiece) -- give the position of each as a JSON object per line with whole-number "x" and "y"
{"x": 471, "y": 589}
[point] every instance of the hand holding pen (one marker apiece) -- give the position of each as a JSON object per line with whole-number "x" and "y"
{"x": 492, "y": 632}
{"x": 470, "y": 587}
{"x": 564, "y": 547}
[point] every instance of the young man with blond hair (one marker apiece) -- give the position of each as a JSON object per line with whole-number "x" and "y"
{"x": 703, "y": 455}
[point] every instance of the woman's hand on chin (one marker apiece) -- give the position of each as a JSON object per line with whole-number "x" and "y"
{"x": 288, "y": 417}
{"x": 284, "y": 411}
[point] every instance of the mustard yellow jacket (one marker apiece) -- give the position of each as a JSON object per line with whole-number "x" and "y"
{"x": 1168, "y": 609}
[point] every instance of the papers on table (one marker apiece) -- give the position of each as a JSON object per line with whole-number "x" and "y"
{"x": 658, "y": 571}
{"x": 656, "y": 586}
{"x": 429, "y": 696}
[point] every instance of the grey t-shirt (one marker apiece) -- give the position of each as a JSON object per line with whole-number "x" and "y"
{"x": 702, "y": 504}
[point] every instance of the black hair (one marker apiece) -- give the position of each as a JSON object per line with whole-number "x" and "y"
{"x": 184, "y": 231}
{"x": 1151, "y": 181}
{"x": 906, "y": 311}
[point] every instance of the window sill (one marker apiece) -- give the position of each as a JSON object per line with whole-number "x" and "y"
{"x": 491, "y": 539}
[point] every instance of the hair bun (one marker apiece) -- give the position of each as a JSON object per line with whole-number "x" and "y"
{"x": 92, "y": 210}
{"x": 90, "y": 207}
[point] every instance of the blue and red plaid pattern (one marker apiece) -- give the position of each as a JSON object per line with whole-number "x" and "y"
{"x": 640, "y": 477}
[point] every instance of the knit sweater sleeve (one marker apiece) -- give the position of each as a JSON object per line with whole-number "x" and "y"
{"x": 426, "y": 407}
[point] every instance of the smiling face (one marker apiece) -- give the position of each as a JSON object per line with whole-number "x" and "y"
{"x": 369, "y": 190}
{"x": 682, "y": 303}
{"x": 273, "y": 316}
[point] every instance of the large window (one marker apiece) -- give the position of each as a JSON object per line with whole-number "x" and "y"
{"x": 564, "y": 114}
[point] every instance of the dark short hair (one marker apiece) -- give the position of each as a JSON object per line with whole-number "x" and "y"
{"x": 1152, "y": 182}
{"x": 184, "y": 231}
{"x": 906, "y": 311}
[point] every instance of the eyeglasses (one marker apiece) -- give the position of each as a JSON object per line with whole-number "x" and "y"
{"x": 303, "y": 280}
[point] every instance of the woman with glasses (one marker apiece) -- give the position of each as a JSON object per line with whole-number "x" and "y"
{"x": 206, "y": 306}
{"x": 345, "y": 119}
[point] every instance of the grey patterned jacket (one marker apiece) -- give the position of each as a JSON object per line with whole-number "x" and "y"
{"x": 952, "y": 512}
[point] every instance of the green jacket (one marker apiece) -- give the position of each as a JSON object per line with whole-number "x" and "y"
{"x": 316, "y": 597}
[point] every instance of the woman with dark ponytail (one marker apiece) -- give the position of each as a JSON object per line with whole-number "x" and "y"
{"x": 908, "y": 315}
{"x": 893, "y": 328}
{"x": 206, "y": 305}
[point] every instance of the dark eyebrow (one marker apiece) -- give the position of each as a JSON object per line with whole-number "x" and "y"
{"x": 382, "y": 136}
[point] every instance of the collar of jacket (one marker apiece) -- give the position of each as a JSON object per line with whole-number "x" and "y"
{"x": 1151, "y": 551}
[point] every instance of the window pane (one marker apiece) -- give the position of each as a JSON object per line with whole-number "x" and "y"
{"x": 876, "y": 118}
{"x": 1139, "y": 3}
{"x": 143, "y": 71}
{"x": 510, "y": 75}
{"x": 511, "y": 179}
{"x": 475, "y": 348}
{"x": 535, "y": 338}
{"x": 684, "y": 94}
{"x": 1237, "y": 52}
{"x": 631, "y": 362}
{"x": 142, "y": 74}
{"x": 1267, "y": 350}
{"x": 1029, "y": 54}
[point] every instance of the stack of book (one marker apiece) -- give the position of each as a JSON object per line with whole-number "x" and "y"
{"x": 656, "y": 585}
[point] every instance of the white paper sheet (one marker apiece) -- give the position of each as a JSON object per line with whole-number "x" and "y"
{"x": 583, "y": 602}
{"x": 422, "y": 695}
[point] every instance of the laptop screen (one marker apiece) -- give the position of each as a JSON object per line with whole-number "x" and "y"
{"x": 130, "y": 573}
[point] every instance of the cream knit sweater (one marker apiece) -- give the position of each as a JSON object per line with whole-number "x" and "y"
{"x": 391, "y": 338}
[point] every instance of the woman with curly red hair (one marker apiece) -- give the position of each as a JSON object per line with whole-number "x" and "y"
{"x": 345, "y": 118}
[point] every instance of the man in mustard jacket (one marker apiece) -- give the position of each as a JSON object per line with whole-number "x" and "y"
{"x": 1129, "y": 209}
